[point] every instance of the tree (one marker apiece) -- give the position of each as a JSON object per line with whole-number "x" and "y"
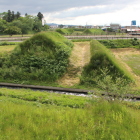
{"x": 27, "y": 24}
{"x": 16, "y": 23}
{"x": 45, "y": 27}
{"x": 9, "y": 16}
{"x": 4, "y": 16}
{"x": 26, "y": 14}
{"x": 37, "y": 24}
{"x": 109, "y": 29}
{"x": 18, "y": 15}
{"x": 12, "y": 30}
{"x": 61, "y": 26}
{"x": 12, "y": 16}
{"x": 40, "y": 16}
{"x": 3, "y": 25}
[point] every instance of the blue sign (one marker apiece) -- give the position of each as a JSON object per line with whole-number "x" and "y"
{"x": 133, "y": 22}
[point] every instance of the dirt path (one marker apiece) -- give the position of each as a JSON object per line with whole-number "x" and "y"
{"x": 120, "y": 54}
{"x": 80, "y": 56}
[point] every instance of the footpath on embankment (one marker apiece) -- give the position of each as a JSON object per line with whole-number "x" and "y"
{"x": 80, "y": 56}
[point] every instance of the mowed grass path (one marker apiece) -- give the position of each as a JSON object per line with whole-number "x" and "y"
{"x": 130, "y": 57}
{"x": 80, "y": 56}
{"x": 6, "y": 48}
{"x": 134, "y": 62}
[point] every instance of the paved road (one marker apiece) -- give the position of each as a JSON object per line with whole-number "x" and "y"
{"x": 100, "y": 37}
{"x": 15, "y": 39}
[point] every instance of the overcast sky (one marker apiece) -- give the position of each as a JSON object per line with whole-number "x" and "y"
{"x": 78, "y": 12}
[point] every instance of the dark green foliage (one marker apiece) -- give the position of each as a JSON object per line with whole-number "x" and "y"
{"x": 40, "y": 16}
{"x": 10, "y": 16}
{"x": 43, "y": 57}
{"x": 11, "y": 30}
{"x": 79, "y": 29}
{"x": 121, "y": 43}
{"x": 9, "y": 19}
{"x": 27, "y": 24}
{"x": 101, "y": 59}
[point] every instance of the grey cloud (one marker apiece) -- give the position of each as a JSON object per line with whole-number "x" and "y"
{"x": 48, "y": 6}
{"x": 86, "y": 11}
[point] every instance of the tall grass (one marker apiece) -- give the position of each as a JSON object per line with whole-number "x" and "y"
{"x": 96, "y": 121}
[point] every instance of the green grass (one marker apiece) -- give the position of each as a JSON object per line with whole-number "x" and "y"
{"x": 65, "y": 31}
{"x": 7, "y": 48}
{"x": 43, "y": 57}
{"x": 133, "y": 62}
{"x": 96, "y": 120}
{"x": 121, "y": 43}
{"x": 4, "y": 43}
{"x": 45, "y": 97}
{"x": 94, "y": 32}
{"x": 27, "y": 35}
{"x": 101, "y": 59}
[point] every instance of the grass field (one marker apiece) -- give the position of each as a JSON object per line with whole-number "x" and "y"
{"x": 7, "y": 48}
{"x": 96, "y": 119}
{"x": 130, "y": 58}
{"x": 134, "y": 62}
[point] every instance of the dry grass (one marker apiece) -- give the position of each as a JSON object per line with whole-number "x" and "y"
{"x": 122, "y": 54}
{"x": 7, "y": 48}
{"x": 80, "y": 56}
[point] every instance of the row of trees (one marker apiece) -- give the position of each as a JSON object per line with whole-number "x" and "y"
{"x": 11, "y": 23}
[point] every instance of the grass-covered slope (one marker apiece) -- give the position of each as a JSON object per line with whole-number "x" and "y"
{"x": 43, "y": 57}
{"x": 67, "y": 31}
{"x": 93, "y": 32}
{"x": 102, "y": 59}
{"x": 82, "y": 31}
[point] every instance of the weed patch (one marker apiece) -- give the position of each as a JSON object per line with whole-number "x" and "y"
{"x": 97, "y": 120}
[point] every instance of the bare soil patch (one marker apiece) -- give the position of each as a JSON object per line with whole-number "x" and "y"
{"x": 80, "y": 56}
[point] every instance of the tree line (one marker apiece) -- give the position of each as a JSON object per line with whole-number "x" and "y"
{"x": 13, "y": 23}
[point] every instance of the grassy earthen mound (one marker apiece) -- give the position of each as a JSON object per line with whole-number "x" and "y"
{"x": 43, "y": 57}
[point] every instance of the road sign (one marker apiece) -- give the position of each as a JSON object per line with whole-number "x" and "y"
{"x": 133, "y": 22}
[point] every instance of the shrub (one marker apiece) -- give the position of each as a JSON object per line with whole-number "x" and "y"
{"x": 121, "y": 43}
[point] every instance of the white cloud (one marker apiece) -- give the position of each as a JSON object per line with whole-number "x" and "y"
{"x": 97, "y": 15}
